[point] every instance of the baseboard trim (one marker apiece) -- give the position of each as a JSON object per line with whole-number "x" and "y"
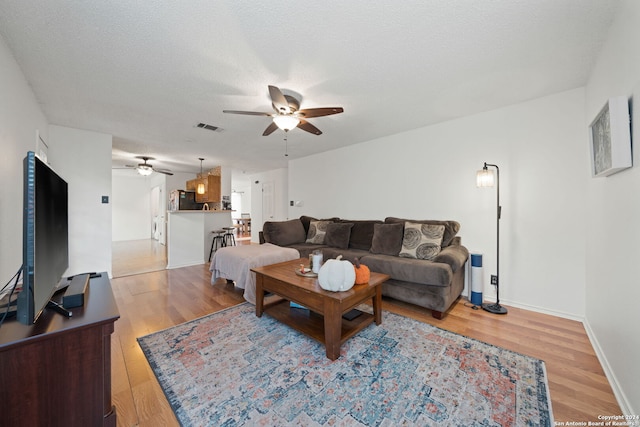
{"x": 623, "y": 402}
{"x": 190, "y": 264}
{"x": 537, "y": 309}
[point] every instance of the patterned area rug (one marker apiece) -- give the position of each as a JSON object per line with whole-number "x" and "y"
{"x": 232, "y": 368}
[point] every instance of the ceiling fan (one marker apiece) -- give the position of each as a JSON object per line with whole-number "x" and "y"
{"x": 146, "y": 169}
{"x": 288, "y": 114}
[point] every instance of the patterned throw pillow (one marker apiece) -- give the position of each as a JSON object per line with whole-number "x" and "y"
{"x": 421, "y": 241}
{"x": 317, "y": 231}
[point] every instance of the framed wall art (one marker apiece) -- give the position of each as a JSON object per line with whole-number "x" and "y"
{"x": 610, "y": 138}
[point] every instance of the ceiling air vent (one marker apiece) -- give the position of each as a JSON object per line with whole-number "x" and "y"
{"x": 208, "y": 127}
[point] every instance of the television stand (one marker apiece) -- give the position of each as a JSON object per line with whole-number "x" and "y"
{"x": 57, "y": 371}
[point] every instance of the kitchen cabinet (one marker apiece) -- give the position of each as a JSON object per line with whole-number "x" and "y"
{"x": 212, "y": 190}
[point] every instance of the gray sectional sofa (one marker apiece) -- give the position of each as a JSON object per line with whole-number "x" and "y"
{"x": 424, "y": 258}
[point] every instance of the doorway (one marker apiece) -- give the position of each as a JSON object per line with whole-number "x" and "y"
{"x": 139, "y": 228}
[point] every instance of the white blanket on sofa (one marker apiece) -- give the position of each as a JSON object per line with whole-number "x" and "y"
{"x": 235, "y": 263}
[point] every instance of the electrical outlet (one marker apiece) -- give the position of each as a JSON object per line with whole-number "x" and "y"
{"x": 494, "y": 280}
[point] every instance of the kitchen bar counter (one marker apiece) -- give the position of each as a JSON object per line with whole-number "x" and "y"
{"x": 189, "y": 235}
{"x": 216, "y": 211}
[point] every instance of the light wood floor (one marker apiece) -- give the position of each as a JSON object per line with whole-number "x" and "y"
{"x": 158, "y": 300}
{"x": 137, "y": 256}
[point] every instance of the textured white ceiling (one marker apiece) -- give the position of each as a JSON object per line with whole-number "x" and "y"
{"x": 148, "y": 71}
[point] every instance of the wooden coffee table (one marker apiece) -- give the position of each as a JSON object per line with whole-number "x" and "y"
{"x": 324, "y": 321}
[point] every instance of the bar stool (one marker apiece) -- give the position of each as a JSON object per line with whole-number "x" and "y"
{"x": 229, "y": 239}
{"x": 217, "y": 242}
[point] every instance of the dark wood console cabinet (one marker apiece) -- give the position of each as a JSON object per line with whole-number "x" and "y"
{"x": 57, "y": 372}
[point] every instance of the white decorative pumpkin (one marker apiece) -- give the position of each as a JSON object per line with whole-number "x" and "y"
{"x": 336, "y": 275}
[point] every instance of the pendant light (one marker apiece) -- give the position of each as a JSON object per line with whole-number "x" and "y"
{"x": 200, "y": 189}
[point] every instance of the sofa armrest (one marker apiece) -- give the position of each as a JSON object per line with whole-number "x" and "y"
{"x": 454, "y": 255}
{"x": 456, "y": 241}
{"x": 283, "y": 233}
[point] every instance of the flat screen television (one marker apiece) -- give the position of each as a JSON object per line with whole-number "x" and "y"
{"x": 45, "y": 233}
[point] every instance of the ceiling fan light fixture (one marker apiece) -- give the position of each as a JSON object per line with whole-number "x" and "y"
{"x": 286, "y": 122}
{"x": 144, "y": 170}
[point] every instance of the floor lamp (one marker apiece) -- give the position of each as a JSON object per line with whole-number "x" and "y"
{"x": 485, "y": 178}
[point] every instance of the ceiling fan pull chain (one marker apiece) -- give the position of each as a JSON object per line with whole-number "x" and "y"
{"x": 286, "y": 144}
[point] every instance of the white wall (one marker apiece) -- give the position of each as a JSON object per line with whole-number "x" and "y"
{"x": 177, "y": 181}
{"x": 20, "y": 118}
{"x": 429, "y": 173}
{"x": 83, "y": 158}
{"x": 225, "y": 181}
{"x": 613, "y": 213}
{"x": 131, "y": 207}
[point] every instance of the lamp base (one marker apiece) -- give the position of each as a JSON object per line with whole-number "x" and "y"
{"x": 494, "y": 308}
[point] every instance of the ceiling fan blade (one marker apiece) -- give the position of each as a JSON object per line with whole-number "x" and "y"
{"x": 319, "y": 112}
{"x": 248, "y": 113}
{"x": 164, "y": 171}
{"x": 279, "y": 101}
{"x": 305, "y": 125}
{"x": 270, "y": 129}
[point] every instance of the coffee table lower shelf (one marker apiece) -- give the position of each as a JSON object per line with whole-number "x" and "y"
{"x": 311, "y": 323}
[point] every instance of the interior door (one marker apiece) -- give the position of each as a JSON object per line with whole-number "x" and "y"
{"x": 268, "y": 201}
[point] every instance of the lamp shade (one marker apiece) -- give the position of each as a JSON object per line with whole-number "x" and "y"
{"x": 200, "y": 189}
{"x": 145, "y": 170}
{"x": 485, "y": 178}
{"x": 286, "y": 122}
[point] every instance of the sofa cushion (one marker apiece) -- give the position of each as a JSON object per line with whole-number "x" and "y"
{"x": 338, "y": 234}
{"x": 451, "y": 228}
{"x": 348, "y": 254}
{"x": 283, "y": 233}
{"x": 410, "y": 269}
{"x": 361, "y": 233}
{"x": 317, "y": 231}
{"x": 387, "y": 239}
{"x": 422, "y": 241}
